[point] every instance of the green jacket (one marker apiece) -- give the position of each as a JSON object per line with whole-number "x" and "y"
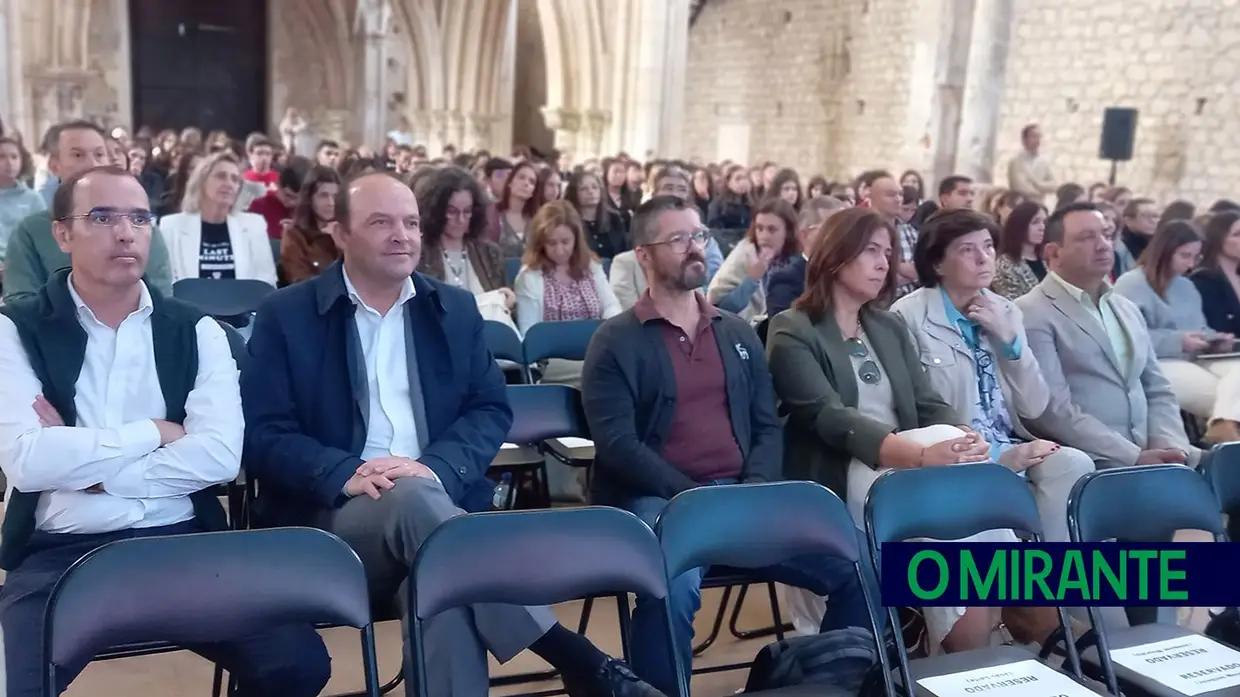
{"x": 33, "y": 256}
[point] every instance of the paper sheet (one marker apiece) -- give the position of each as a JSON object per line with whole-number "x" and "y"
{"x": 1021, "y": 679}
{"x": 509, "y": 446}
{"x": 571, "y": 442}
{"x": 1190, "y": 665}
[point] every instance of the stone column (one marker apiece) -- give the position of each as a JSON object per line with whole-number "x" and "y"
{"x": 983, "y": 92}
{"x": 951, "y": 73}
{"x": 675, "y": 64}
{"x": 590, "y": 138}
{"x": 455, "y": 131}
{"x": 438, "y": 135}
{"x": 651, "y": 91}
{"x": 564, "y": 123}
{"x": 56, "y": 95}
{"x": 372, "y": 22}
{"x": 480, "y": 132}
{"x": 420, "y": 126}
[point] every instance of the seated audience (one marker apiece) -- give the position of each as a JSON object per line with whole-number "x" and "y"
{"x": 307, "y": 247}
{"x": 627, "y": 279}
{"x": 1109, "y": 396}
{"x": 1019, "y": 266}
{"x": 972, "y": 346}
{"x": 771, "y": 242}
{"x": 33, "y": 253}
{"x": 955, "y": 192}
{"x": 454, "y": 245}
{"x": 396, "y": 432}
{"x": 788, "y": 281}
{"x": 857, "y": 398}
{"x": 786, "y": 186}
{"x": 206, "y": 239}
{"x": 606, "y": 230}
{"x": 561, "y": 279}
{"x": 1218, "y": 277}
{"x": 674, "y": 181}
{"x": 1139, "y": 218}
{"x": 1172, "y": 309}
{"x": 650, "y": 443}
{"x": 17, "y": 201}
{"x": 121, "y": 413}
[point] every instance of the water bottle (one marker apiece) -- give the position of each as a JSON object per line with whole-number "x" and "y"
{"x": 500, "y": 501}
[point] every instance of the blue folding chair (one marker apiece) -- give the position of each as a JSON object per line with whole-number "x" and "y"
{"x": 532, "y": 558}
{"x": 505, "y": 345}
{"x": 232, "y": 300}
{"x": 1141, "y": 504}
{"x": 1221, "y": 467}
{"x": 204, "y": 588}
{"x": 540, "y": 414}
{"x": 512, "y": 267}
{"x": 567, "y": 340}
{"x": 951, "y": 503}
{"x": 754, "y": 526}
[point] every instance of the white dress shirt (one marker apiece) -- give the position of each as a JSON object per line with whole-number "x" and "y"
{"x": 115, "y": 442}
{"x": 390, "y": 429}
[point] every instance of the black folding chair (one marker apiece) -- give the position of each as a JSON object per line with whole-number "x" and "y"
{"x": 232, "y": 300}
{"x": 951, "y": 503}
{"x": 1140, "y": 504}
{"x": 546, "y": 557}
{"x": 754, "y": 526}
{"x": 204, "y": 588}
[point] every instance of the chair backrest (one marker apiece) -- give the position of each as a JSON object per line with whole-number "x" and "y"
{"x": 1221, "y": 467}
{"x": 540, "y": 412}
{"x": 512, "y": 267}
{"x": 606, "y": 261}
{"x": 203, "y": 588}
{"x": 542, "y": 557}
{"x": 503, "y": 342}
{"x": 750, "y": 526}
{"x": 948, "y": 503}
{"x": 1142, "y": 504}
{"x": 236, "y": 342}
{"x": 223, "y": 297}
{"x": 568, "y": 339}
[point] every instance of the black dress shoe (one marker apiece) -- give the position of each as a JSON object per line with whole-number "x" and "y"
{"x": 612, "y": 679}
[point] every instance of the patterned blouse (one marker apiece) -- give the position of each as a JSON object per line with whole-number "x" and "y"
{"x": 576, "y": 299}
{"x": 1014, "y": 277}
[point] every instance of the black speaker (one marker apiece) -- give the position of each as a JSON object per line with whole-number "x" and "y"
{"x": 1119, "y": 127}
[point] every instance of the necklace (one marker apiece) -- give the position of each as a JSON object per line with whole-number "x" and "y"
{"x": 456, "y": 271}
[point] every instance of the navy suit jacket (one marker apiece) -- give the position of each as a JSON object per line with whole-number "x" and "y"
{"x": 301, "y": 395}
{"x": 785, "y": 285}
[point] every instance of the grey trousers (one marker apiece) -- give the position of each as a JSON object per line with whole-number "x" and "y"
{"x": 386, "y": 534}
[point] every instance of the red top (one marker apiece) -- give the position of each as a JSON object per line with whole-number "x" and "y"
{"x": 273, "y": 211}
{"x": 696, "y": 445}
{"x": 268, "y": 178}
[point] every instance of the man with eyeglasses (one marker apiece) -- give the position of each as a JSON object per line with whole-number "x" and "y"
{"x": 33, "y": 254}
{"x": 120, "y": 410}
{"x": 677, "y": 396}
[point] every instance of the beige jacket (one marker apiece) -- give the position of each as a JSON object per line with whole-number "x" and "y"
{"x": 948, "y": 361}
{"x": 627, "y": 279}
{"x": 732, "y": 274}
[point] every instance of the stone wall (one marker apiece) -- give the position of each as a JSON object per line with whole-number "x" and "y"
{"x": 1174, "y": 60}
{"x": 823, "y": 87}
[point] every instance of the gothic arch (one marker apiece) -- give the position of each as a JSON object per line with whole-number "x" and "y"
{"x": 323, "y": 20}
{"x": 61, "y": 31}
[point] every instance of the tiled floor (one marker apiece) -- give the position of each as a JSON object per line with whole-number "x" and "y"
{"x": 174, "y": 675}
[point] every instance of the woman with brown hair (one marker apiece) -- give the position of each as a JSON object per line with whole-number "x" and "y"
{"x": 1018, "y": 265}
{"x": 516, "y": 207}
{"x": 740, "y": 285}
{"x": 454, "y": 250}
{"x": 786, "y": 186}
{"x": 1172, "y": 308}
{"x": 307, "y": 246}
{"x": 560, "y": 277}
{"x": 858, "y": 401}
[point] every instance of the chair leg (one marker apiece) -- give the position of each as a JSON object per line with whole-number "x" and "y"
{"x": 778, "y": 629}
{"x": 217, "y": 681}
{"x": 383, "y": 689}
{"x": 714, "y": 630}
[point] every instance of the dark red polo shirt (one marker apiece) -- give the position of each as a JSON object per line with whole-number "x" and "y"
{"x": 700, "y": 442}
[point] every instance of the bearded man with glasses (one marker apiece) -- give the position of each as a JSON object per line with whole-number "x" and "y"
{"x": 677, "y": 396}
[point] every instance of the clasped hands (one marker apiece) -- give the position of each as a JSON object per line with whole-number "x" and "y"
{"x": 375, "y": 476}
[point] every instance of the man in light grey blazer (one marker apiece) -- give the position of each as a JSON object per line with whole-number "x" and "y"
{"x": 1108, "y": 395}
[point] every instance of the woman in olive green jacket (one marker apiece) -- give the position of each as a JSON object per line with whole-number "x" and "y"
{"x": 857, "y": 400}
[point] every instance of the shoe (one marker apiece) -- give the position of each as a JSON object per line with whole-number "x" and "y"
{"x": 612, "y": 679}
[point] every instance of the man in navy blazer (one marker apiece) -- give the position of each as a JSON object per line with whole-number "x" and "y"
{"x": 787, "y": 283}
{"x": 373, "y": 409}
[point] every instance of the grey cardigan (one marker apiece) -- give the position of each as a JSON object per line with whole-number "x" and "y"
{"x": 1169, "y": 317}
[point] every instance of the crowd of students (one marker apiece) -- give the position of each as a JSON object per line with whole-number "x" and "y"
{"x": 825, "y": 336}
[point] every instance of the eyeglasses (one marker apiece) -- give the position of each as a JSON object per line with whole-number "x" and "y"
{"x": 679, "y": 243}
{"x": 109, "y": 218}
{"x": 868, "y": 371}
